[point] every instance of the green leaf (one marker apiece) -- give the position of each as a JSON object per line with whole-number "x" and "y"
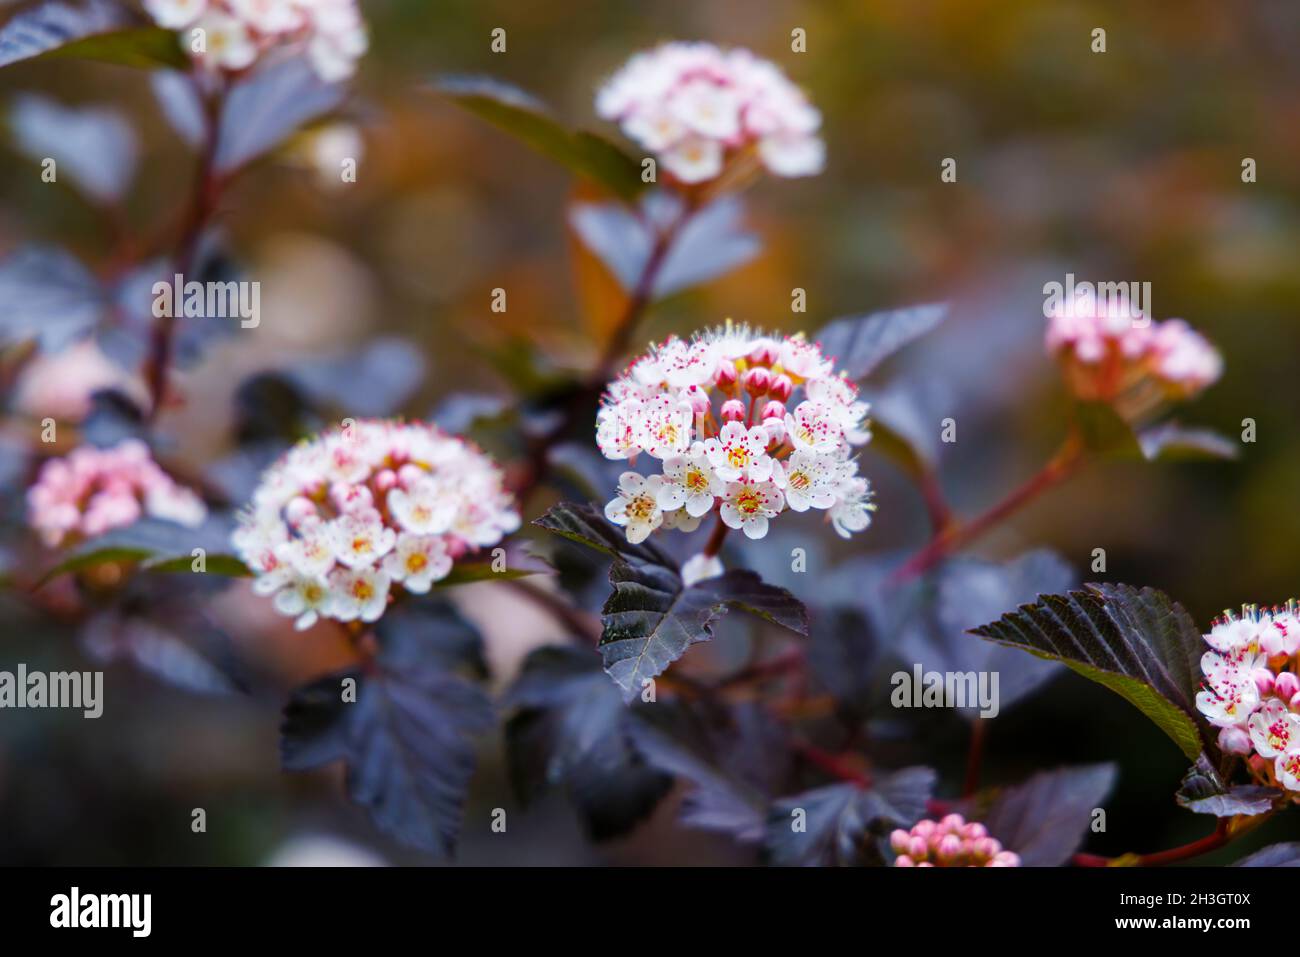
{"x": 1203, "y": 791}
{"x": 860, "y": 343}
{"x": 652, "y": 618}
{"x": 1139, "y": 643}
{"x": 95, "y": 30}
{"x": 1173, "y": 442}
{"x": 1104, "y": 431}
{"x": 519, "y": 114}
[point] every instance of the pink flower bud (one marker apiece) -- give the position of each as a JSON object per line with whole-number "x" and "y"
{"x": 1286, "y": 685}
{"x": 952, "y": 822}
{"x": 924, "y": 828}
{"x": 1005, "y": 859}
{"x": 904, "y": 861}
{"x": 409, "y": 474}
{"x": 900, "y": 840}
{"x": 765, "y": 352}
{"x": 781, "y": 387}
{"x": 756, "y": 381}
{"x": 950, "y": 848}
{"x": 974, "y": 831}
{"x": 1234, "y": 741}
{"x": 725, "y": 375}
{"x": 1263, "y": 680}
{"x": 917, "y": 848}
{"x": 985, "y": 847}
{"x": 698, "y": 400}
{"x": 385, "y": 479}
{"x": 774, "y": 410}
{"x": 733, "y": 410}
{"x": 299, "y": 510}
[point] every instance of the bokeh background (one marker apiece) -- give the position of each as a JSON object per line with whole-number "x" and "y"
{"x": 1124, "y": 165}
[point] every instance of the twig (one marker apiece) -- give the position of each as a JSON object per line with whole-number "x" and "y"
{"x": 1210, "y": 842}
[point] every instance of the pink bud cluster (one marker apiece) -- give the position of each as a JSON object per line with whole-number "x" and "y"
{"x": 738, "y": 422}
{"x": 1109, "y": 353}
{"x": 236, "y": 33}
{"x": 698, "y": 107}
{"x": 92, "y": 491}
{"x": 1251, "y": 691}
{"x": 951, "y": 842}
{"x": 342, "y": 520}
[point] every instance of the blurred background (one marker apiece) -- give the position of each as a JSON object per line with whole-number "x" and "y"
{"x": 1123, "y": 165}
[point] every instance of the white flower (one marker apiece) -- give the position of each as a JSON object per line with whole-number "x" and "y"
{"x": 227, "y": 41}
{"x": 813, "y": 427}
{"x": 694, "y": 159}
{"x": 808, "y": 480}
{"x": 683, "y": 365}
{"x": 679, "y": 520}
{"x": 358, "y": 594}
{"x": 175, "y": 504}
{"x": 700, "y": 567}
{"x": 664, "y": 426}
{"x": 1287, "y": 769}
{"x": 267, "y": 16}
{"x": 739, "y": 453}
{"x": 654, "y": 129}
{"x": 417, "y": 562}
{"x": 616, "y": 429}
{"x": 792, "y": 154}
{"x": 706, "y": 108}
{"x": 637, "y": 507}
{"x": 360, "y": 539}
{"x": 313, "y": 553}
{"x": 689, "y": 482}
{"x": 804, "y": 359}
{"x": 853, "y": 512}
{"x": 1227, "y": 703}
{"x": 423, "y": 508}
{"x": 175, "y": 14}
{"x": 749, "y": 505}
{"x": 257, "y": 540}
{"x": 1274, "y": 729}
{"x": 304, "y": 598}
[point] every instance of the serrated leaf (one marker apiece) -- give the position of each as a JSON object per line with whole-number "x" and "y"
{"x": 528, "y": 119}
{"x": 570, "y": 729}
{"x": 585, "y": 525}
{"x": 1045, "y": 819}
{"x": 1173, "y": 442}
{"x": 1203, "y": 791}
{"x": 651, "y": 619}
{"x": 407, "y": 740}
{"x": 1275, "y": 855}
{"x": 860, "y": 343}
{"x": 842, "y": 821}
{"x": 266, "y": 107}
{"x": 1139, "y": 643}
{"x": 94, "y": 30}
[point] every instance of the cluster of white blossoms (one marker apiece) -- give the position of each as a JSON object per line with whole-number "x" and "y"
{"x": 739, "y": 422}
{"x": 231, "y": 35}
{"x": 340, "y": 520}
{"x": 1110, "y": 353}
{"x": 697, "y": 107}
{"x": 1251, "y": 690}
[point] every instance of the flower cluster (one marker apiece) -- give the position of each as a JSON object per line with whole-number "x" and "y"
{"x": 92, "y": 491}
{"x": 951, "y": 842}
{"x": 1251, "y": 690}
{"x": 736, "y": 421}
{"x": 337, "y": 520}
{"x": 698, "y": 107}
{"x": 236, "y": 33}
{"x": 1111, "y": 354}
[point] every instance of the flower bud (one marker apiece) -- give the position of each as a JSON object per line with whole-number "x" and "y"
{"x": 985, "y": 847}
{"x": 1005, "y": 859}
{"x": 904, "y": 861}
{"x": 385, "y": 479}
{"x": 724, "y": 377}
{"x": 951, "y": 823}
{"x": 765, "y": 352}
{"x": 298, "y": 510}
{"x": 756, "y": 381}
{"x": 924, "y": 828}
{"x": 733, "y": 410}
{"x": 950, "y": 848}
{"x": 1263, "y": 681}
{"x": 1286, "y": 685}
{"x": 1234, "y": 741}
{"x": 774, "y": 410}
{"x": 917, "y": 848}
{"x": 781, "y": 387}
{"x": 697, "y": 399}
{"x": 899, "y": 840}
{"x": 974, "y": 831}
{"x": 775, "y": 429}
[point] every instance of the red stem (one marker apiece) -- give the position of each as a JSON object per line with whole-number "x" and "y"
{"x": 834, "y": 765}
{"x": 1210, "y": 842}
{"x": 1062, "y": 465}
{"x": 714, "y": 544}
{"x": 975, "y": 756}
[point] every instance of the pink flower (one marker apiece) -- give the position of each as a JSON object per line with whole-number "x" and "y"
{"x": 952, "y": 842}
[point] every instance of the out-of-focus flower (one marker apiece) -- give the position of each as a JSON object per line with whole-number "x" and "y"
{"x": 1111, "y": 354}
{"x": 237, "y": 33}
{"x": 700, "y": 109}
{"x": 950, "y": 842}
{"x": 710, "y": 414}
{"x": 1251, "y": 691}
{"x": 60, "y": 385}
{"x": 92, "y": 491}
{"x": 340, "y": 520}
